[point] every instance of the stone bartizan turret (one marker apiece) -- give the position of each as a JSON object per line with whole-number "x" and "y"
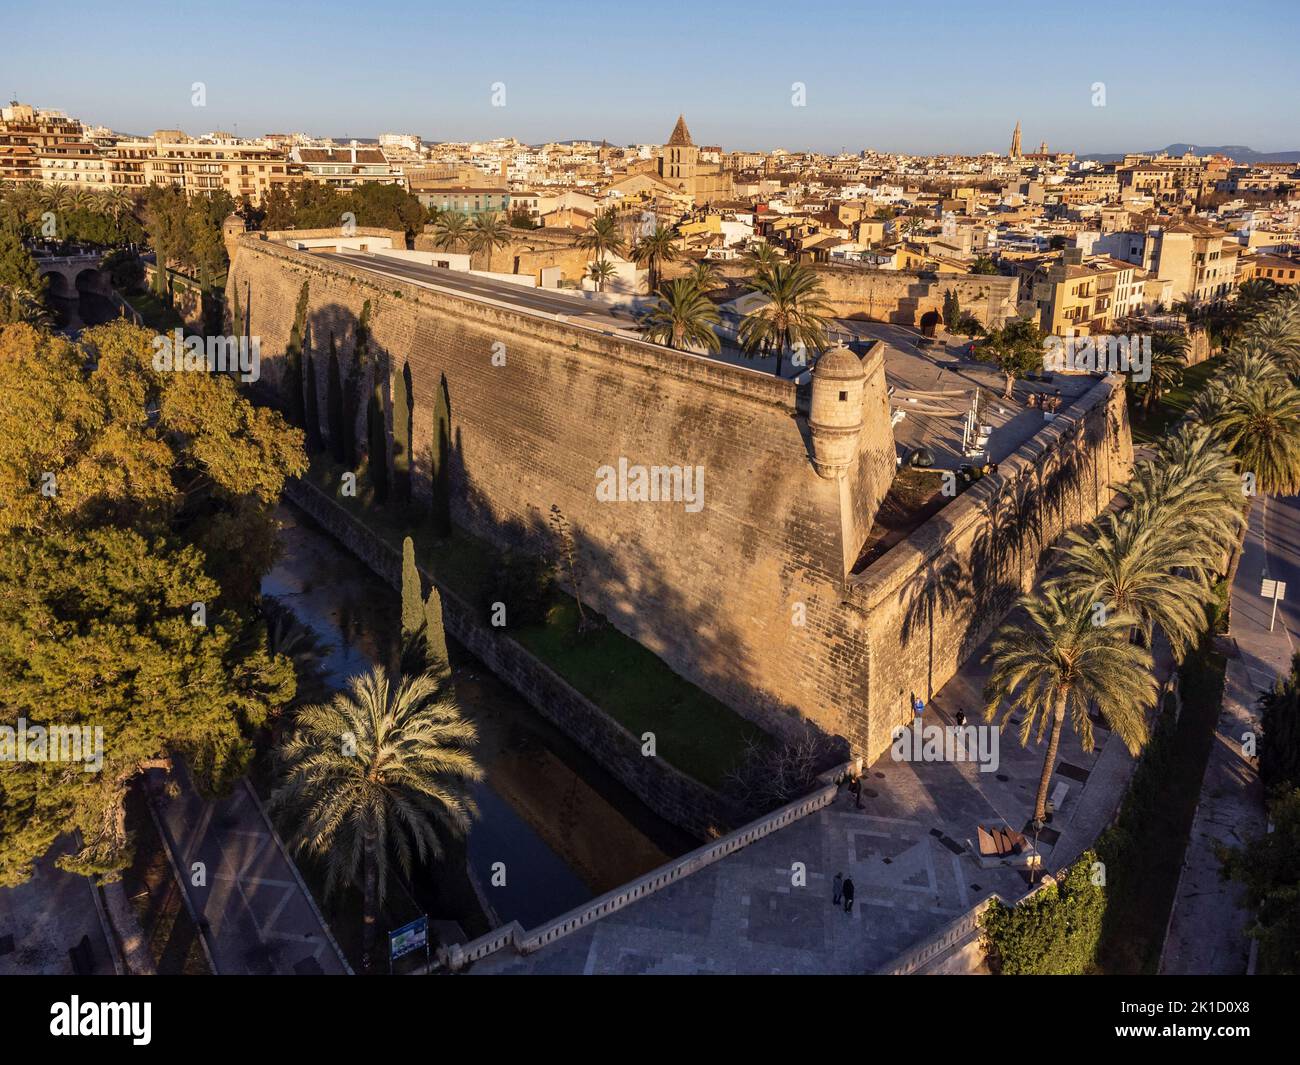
{"x": 835, "y": 414}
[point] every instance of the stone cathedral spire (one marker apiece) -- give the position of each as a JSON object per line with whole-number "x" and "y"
{"x": 1015, "y": 142}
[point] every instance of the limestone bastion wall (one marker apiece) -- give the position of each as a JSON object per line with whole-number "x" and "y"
{"x": 743, "y": 597}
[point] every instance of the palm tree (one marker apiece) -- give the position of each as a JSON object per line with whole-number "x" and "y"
{"x": 683, "y": 318}
{"x": 603, "y": 236}
{"x": 21, "y": 305}
{"x": 1051, "y": 662}
{"x": 118, "y": 201}
{"x": 1260, "y": 427}
{"x": 1193, "y": 492}
{"x": 55, "y": 196}
{"x": 1276, "y": 330}
{"x": 704, "y": 276}
{"x": 653, "y": 250}
{"x": 794, "y": 313}
{"x": 1168, "y": 364}
{"x": 1134, "y": 567}
{"x": 451, "y": 230}
{"x": 487, "y": 233}
{"x": 81, "y": 199}
{"x": 600, "y": 271}
{"x": 373, "y": 774}
{"x": 761, "y": 257}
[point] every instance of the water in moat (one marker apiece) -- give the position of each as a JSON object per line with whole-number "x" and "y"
{"x": 564, "y": 828}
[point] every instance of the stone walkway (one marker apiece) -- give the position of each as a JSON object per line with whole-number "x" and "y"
{"x": 908, "y": 852}
{"x": 261, "y": 919}
{"x": 1207, "y": 924}
{"x": 43, "y": 918}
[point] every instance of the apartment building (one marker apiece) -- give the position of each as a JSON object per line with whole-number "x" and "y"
{"x": 26, "y": 133}
{"x": 1280, "y": 269}
{"x": 169, "y": 157}
{"x": 345, "y": 168}
{"x": 1085, "y": 296}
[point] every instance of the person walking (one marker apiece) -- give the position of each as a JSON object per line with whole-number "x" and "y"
{"x": 848, "y": 896}
{"x": 837, "y": 888}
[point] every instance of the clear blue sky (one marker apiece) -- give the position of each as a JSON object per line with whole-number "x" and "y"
{"x": 900, "y": 76}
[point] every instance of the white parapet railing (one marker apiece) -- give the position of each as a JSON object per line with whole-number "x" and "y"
{"x": 458, "y": 956}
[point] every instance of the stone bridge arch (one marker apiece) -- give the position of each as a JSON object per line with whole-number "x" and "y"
{"x": 71, "y": 275}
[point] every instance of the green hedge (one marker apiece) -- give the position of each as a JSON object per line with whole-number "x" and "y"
{"x": 1054, "y": 933}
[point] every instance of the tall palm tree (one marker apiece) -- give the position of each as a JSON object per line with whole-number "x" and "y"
{"x": 683, "y": 318}
{"x": 600, "y": 271}
{"x": 1260, "y": 427}
{"x": 1134, "y": 567}
{"x": 1193, "y": 492}
{"x": 1276, "y": 330}
{"x": 794, "y": 313}
{"x": 55, "y": 196}
{"x": 451, "y": 230}
{"x": 603, "y": 236}
{"x": 1168, "y": 364}
{"x": 1051, "y": 662}
{"x": 653, "y": 250}
{"x": 372, "y": 775}
{"x": 118, "y": 201}
{"x": 486, "y": 233}
{"x": 81, "y": 199}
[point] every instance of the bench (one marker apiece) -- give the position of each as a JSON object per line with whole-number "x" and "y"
{"x": 1000, "y": 845}
{"x": 1059, "y": 793}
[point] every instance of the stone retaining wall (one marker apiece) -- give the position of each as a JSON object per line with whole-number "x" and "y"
{"x": 670, "y": 793}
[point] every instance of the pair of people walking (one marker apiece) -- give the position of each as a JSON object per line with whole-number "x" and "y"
{"x": 842, "y": 888}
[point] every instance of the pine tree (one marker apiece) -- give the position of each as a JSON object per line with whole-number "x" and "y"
{"x": 412, "y": 605}
{"x": 441, "y": 514}
{"x": 17, "y": 267}
{"x": 293, "y": 362}
{"x": 334, "y": 405}
{"x": 403, "y": 411}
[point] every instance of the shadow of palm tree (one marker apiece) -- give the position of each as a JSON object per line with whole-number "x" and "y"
{"x": 936, "y": 589}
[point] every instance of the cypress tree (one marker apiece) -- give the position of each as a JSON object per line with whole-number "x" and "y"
{"x": 377, "y": 441}
{"x": 412, "y": 605}
{"x": 314, "y": 443}
{"x": 435, "y": 636}
{"x": 352, "y": 394}
{"x": 441, "y": 514}
{"x": 293, "y": 362}
{"x": 236, "y": 315}
{"x": 403, "y": 409}
{"x": 334, "y": 405}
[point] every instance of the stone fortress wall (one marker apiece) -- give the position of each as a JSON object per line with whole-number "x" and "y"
{"x": 750, "y": 597}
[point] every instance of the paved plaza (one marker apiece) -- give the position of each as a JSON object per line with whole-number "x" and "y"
{"x": 908, "y": 852}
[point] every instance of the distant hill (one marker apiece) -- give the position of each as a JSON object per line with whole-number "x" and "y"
{"x": 1238, "y": 152}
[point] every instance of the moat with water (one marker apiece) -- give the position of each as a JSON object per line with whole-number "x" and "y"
{"x": 563, "y": 829}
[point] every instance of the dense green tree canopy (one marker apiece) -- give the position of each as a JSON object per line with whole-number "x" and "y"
{"x": 128, "y": 497}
